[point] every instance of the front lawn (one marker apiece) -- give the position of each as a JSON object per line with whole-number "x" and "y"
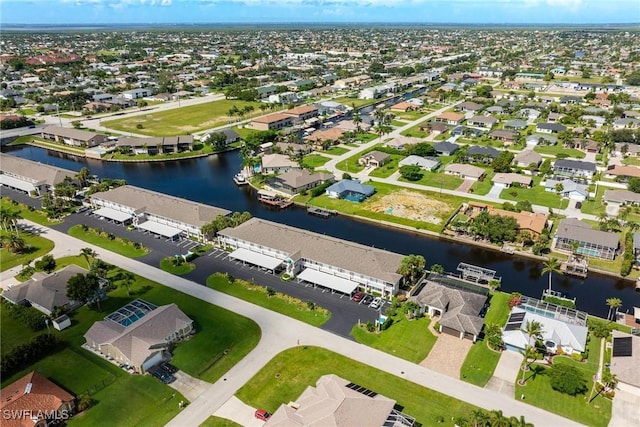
{"x": 214, "y": 421}
{"x": 437, "y": 180}
{"x": 354, "y": 102}
{"x": 185, "y": 120}
{"x": 482, "y": 187}
{"x": 631, "y": 161}
{"x": 35, "y": 215}
{"x": 277, "y": 302}
{"x": 286, "y": 376}
{"x": 351, "y": 165}
{"x": 336, "y": 151}
{"x": 554, "y": 150}
{"x": 388, "y": 168}
{"x": 103, "y": 239}
{"x": 167, "y": 264}
{"x": 34, "y": 247}
{"x": 415, "y": 131}
{"x": 537, "y": 195}
{"x": 394, "y": 340}
{"x": 313, "y": 161}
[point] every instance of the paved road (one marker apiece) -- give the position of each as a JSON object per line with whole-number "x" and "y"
{"x": 280, "y": 332}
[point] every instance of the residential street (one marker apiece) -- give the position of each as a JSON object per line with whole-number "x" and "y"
{"x": 280, "y": 332}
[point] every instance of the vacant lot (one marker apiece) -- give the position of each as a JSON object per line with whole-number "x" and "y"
{"x": 411, "y": 205}
{"x": 182, "y": 121}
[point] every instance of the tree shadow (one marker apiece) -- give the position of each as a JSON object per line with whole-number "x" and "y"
{"x": 534, "y": 370}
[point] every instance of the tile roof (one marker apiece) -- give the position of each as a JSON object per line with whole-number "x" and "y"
{"x": 300, "y": 177}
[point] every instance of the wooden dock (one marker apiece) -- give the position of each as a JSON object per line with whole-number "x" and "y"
{"x": 577, "y": 267}
{"x": 273, "y": 199}
{"x": 324, "y": 213}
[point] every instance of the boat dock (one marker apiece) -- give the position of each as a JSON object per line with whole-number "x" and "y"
{"x": 574, "y": 266}
{"x": 273, "y": 199}
{"x": 324, "y": 213}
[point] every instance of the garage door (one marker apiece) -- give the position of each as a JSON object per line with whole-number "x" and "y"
{"x": 152, "y": 361}
{"x": 450, "y": 331}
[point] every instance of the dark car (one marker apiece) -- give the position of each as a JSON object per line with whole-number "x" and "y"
{"x": 169, "y": 368}
{"x": 367, "y": 299}
{"x": 357, "y": 296}
{"x": 261, "y": 414}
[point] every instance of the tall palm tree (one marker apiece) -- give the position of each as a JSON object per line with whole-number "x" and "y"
{"x": 88, "y": 254}
{"x": 411, "y": 266}
{"x": 83, "y": 176}
{"x": 533, "y": 330}
{"x": 550, "y": 266}
{"x": 479, "y": 418}
{"x": 127, "y": 279}
{"x": 614, "y": 304}
{"x": 497, "y": 419}
{"x": 13, "y": 242}
{"x": 519, "y": 422}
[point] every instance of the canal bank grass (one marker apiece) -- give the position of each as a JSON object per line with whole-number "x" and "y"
{"x": 167, "y": 264}
{"x": 184, "y": 120}
{"x": 408, "y": 339}
{"x": 34, "y": 247}
{"x": 35, "y": 215}
{"x": 103, "y": 240}
{"x": 271, "y": 300}
{"x": 538, "y": 391}
{"x": 313, "y": 161}
{"x": 56, "y": 146}
{"x": 288, "y": 374}
{"x": 364, "y": 209}
{"x": 198, "y": 150}
{"x": 481, "y": 361}
{"x": 214, "y": 421}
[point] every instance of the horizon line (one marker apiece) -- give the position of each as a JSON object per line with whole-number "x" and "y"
{"x": 298, "y": 23}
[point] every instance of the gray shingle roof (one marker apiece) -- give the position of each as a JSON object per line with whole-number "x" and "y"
{"x": 351, "y": 185}
{"x": 573, "y": 229}
{"x": 35, "y": 171}
{"x": 575, "y": 164}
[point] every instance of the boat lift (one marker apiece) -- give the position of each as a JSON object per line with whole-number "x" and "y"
{"x": 475, "y": 273}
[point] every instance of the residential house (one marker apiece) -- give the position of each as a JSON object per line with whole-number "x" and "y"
{"x": 337, "y": 402}
{"x": 277, "y": 163}
{"x": 626, "y": 123}
{"x": 374, "y": 159}
{"x": 625, "y": 359}
{"x": 622, "y": 172}
{"x": 292, "y": 149}
{"x": 298, "y": 180}
{"x": 445, "y": 148}
{"x": 156, "y": 213}
{"x": 552, "y": 128}
{"x": 457, "y": 302}
{"x": 598, "y": 121}
{"x": 350, "y": 190}
{"x": 274, "y": 121}
{"x": 626, "y": 149}
{"x": 303, "y": 112}
{"x": 506, "y": 136}
{"x": 426, "y": 163}
{"x": 139, "y": 334}
{"x": 45, "y": 292}
{"x": 506, "y": 180}
{"x": 568, "y": 189}
{"x": 230, "y": 135}
{"x": 530, "y": 223}
{"x": 515, "y": 124}
{"x": 557, "y": 335}
{"x": 404, "y": 106}
{"x": 478, "y": 154}
{"x": 590, "y": 242}
{"x": 541, "y": 138}
{"x": 450, "y": 118}
{"x": 577, "y": 168}
{"x": 33, "y": 178}
{"x": 137, "y": 93}
{"x": 435, "y": 128}
{"x": 527, "y": 157}
{"x": 319, "y": 137}
{"x": 156, "y": 145}
{"x": 464, "y": 171}
{"x": 74, "y": 137}
{"x": 35, "y": 401}
{"x": 482, "y": 121}
{"x": 529, "y": 113}
{"x": 469, "y": 107}
{"x": 400, "y": 142}
{"x": 465, "y": 130}
{"x": 621, "y": 197}
{"x": 314, "y": 258}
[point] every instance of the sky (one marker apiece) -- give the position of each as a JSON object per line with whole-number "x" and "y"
{"x": 54, "y": 12}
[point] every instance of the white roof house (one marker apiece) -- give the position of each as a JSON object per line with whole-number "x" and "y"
{"x": 556, "y": 334}
{"x": 427, "y": 163}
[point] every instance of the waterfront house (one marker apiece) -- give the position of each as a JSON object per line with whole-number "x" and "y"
{"x": 74, "y": 137}
{"x": 351, "y": 190}
{"x": 374, "y": 159}
{"x": 154, "y": 212}
{"x": 426, "y": 163}
{"x": 139, "y": 334}
{"x": 335, "y": 264}
{"x": 337, "y": 402}
{"x": 590, "y": 242}
{"x": 575, "y": 168}
{"x": 299, "y": 180}
{"x": 456, "y": 302}
{"x": 277, "y": 163}
{"x": 274, "y": 121}
{"x": 530, "y": 223}
{"x": 156, "y": 145}
{"x": 464, "y": 171}
{"x": 33, "y": 178}
{"x": 230, "y": 135}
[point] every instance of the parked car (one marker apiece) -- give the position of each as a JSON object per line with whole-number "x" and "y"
{"x": 366, "y": 300}
{"x": 261, "y": 414}
{"x": 376, "y": 303}
{"x": 169, "y": 368}
{"x": 357, "y": 296}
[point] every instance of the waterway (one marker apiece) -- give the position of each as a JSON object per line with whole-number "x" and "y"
{"x": 209, "y": 180}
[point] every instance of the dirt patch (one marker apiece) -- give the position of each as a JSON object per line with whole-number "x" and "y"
{"x": 411, "y": 205}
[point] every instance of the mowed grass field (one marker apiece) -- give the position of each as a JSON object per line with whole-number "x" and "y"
{"x": 185, "y": 120}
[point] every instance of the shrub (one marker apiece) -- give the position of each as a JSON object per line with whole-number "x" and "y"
{"x": 26, "y": 354}
{"x": 139, "y": 126}
{"x": 387, "y": 324}
{"x": 137, "y": 245}
{"x": 84, "y": 402}
{"x": 271, "y": 292}
{"x": 47, "y": 264}
{"x": 370, "y": 326}
{"x": 311, "y": 305}
{"x": 84, "y": 227}
{"x": 567, "y": 379}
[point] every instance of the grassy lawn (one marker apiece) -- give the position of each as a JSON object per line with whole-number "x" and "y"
{"x": 179, "y": 270}
{"x": 394, "y": 340}
{"x": 415, "y": 131}
{"x": 483, "y": 187}
{"x": 185, "y": 120}
{"x": 198, "y": 149}
{"x": 116, "y": 245}
{"x": 365, "y": 137}
{"x": 382, "y": 189}
{"x": 536, "y": 195}
{"x": 438, "y": 180}
{"x": 34, "y": 215}
{"x": 594, "y": 206}
{"x": 39, "y": 142}
{"x": 336, "y": 151}
{"x": 389, "y": 168}
{"x": 631, "y": 161}
{"x": 351, "y": 165}
{"x": 213, "y": 421}
{"x": 556, "y": 149}
{"x": 538, "y": 392}
{"x": 354, "y": 102}
{"x": 314, "y": 160}
{"x": 301, "y": 367}
{"x": 280, "y": 303}
{"x": 35, "y": 246}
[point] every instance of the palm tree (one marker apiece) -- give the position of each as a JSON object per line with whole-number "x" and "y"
{"x": 83, "y": 176}
{"x": 497, "y": 419}
{"x": 614, "y": 304}
{"x": 479, "y": 418}
{"x": 88, "y": 253}
{"x": 357, "y": 120}
{"x": 533, "y": 330}
{"x": 411, "y": 266}
{"x": 13, "y": 242}
{"x": 550, "y": 266}
{"x": 127, "y": 279}
{"x": 519, "y": 422}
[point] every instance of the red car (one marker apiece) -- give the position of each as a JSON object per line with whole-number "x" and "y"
{"x": 357, "y": 296}
{"x": 261, "y": 414}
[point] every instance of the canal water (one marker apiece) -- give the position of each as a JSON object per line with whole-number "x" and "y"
{"x": 209, "y": 180}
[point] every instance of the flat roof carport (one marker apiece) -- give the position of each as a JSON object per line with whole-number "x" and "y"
{"x": 14, "y": 182}
{"x": 261, "y": 260}
{"x": 328, "y": 281}
{"x": 161, "y": 229}
{"x": 113, "y": 214}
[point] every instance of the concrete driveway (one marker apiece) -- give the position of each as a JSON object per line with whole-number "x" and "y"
{"x": 495, "y": 191}
{"x": 506, "y": 373}
{"x": 190, "y": 387}
{"x": 625, "y": 410}
{"x": 447, "y": 355}
{"x": 237, "y": 411}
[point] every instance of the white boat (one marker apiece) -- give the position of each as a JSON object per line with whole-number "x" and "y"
{"x": 239, "y": 179}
